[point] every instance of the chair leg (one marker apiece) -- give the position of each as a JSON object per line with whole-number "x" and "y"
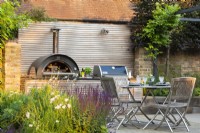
{"x": 164, "y": 119}
{"x": 151, "y": 120}
{"x": 183, "y": 115}
{"x": 127, "y": 117}
{"x": 144, "y": 113}
{"x": 115, "y": 113}
{"x": 182, "y": 118}
{"x": 130, "y": 114}
{"x": 187, "y": 121}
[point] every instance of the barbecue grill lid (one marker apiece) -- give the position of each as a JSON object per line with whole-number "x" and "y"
{"x": 102, "y": 70}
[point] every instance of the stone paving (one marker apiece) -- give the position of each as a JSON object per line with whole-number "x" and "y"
{"x": 194, "y": 119}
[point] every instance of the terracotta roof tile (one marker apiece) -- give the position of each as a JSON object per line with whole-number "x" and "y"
{"x": 110, "y": 10}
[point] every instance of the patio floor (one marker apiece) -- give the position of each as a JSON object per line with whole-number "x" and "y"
{"x": 194, "y": 119}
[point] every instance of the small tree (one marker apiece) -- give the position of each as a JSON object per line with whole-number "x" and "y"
{"x": 159, "y": 29}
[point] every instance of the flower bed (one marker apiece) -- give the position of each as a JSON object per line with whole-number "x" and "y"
{"x": 47, "y": 110}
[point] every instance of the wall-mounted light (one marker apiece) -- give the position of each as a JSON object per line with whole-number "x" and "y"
{"x": 104, "y": 31}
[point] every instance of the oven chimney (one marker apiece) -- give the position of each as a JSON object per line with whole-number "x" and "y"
{"x": 55, "y": 39}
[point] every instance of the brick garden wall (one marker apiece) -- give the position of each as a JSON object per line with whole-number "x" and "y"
{"x": 142, "y": 65}
{"x": 183, "y": 62}
{"x": 12, "y": 66}
{"x": 180, "y": 62}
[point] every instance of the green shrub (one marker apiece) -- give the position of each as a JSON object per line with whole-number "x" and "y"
{"x": 11, "y": 106}
{"x": 196, "y": 91}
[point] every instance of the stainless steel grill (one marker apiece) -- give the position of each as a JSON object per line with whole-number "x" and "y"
{"x": 101, "y": 71}
{"x": 119, "y": 74}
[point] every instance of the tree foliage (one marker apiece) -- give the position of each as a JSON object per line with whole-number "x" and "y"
{"x": 16, "y": 14}
{"x": 182, "y": 38}
{"x": 158, "y": 29}
{"x": 38, "y": 14}
{"x": 10, "y": 21}
{"x": 189, "y": 37}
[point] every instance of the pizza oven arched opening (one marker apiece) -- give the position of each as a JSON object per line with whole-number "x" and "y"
{"x": 54, "y": 65}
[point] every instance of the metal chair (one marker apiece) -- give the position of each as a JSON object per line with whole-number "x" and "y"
{"x": 111, "y": 86}
{"x": 175, "y": 107}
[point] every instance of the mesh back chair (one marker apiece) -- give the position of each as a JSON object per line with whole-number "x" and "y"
{"x": 109, "y": 87}
{"x": 118, "y": 107}
{"x": 177, "y": 103}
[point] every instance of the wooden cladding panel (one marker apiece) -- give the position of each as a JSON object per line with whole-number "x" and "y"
{"x": 83, "y": 42}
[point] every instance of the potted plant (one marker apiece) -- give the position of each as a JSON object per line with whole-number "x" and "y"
{"x": 88, "y": 71}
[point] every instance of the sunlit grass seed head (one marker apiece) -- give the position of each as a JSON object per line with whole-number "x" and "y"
{"x": 69, "y": 106}
{"x": 52, "y": 100}
{"x": 66, "y": 99}
{"x": 27, "y": 115}
{"x": 58, "y": 107}
{"x": 64, "y": 106}
{"x": 30, "y": 125}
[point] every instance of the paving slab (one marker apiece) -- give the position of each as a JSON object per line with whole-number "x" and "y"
{"x": 194, "y": 120}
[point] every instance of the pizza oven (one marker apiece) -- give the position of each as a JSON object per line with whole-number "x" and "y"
{"x": 54, "y": 65}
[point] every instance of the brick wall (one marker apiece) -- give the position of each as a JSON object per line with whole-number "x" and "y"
{"x": 12, "y": 66}
{"x": 184, "y": 62}
{"x": 142, "y": 64}
{"x": 181, "y": 63}
{"x": 64, "y": 85}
